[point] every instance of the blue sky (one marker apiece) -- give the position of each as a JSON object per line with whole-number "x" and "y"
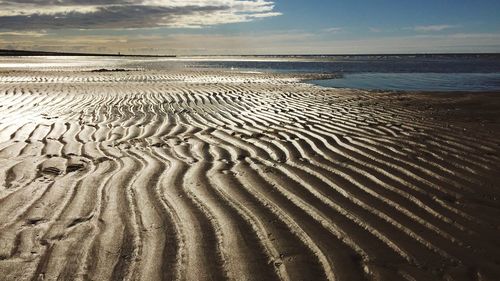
{"x": 252, "y": 26}
{"x": 480, "y": 16}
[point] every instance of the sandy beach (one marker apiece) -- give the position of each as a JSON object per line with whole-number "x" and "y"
{"x": 221, "y": 175}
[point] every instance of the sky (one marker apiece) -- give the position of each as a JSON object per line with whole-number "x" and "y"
{"x": 218, "y": 27}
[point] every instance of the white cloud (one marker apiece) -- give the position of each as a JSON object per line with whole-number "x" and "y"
{"x": 24, "y": 33}
{"x": 375, "y": 30}
{"x": 433, "y": 28}
{"x": 334, "y": 30}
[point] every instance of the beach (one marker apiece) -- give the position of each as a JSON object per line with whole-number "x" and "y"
{"x": 202, "y": 174}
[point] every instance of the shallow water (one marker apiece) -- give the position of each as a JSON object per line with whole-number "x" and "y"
{"x": 416, "y": 81}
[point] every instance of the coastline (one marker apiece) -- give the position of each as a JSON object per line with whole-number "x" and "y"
{"x": 27, "y": 53}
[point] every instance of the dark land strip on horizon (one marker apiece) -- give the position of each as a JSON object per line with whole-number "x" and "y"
{"x": 5, "y": 52}
{"x": 43, "y": 53}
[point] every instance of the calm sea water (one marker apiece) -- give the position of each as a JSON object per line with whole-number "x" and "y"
{"x": 387, "y": 72}
{"x": 443, "y": 82}
{"x": 400, "y": 73}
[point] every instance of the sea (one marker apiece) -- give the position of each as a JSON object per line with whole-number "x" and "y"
{"x": 423, "y": 72}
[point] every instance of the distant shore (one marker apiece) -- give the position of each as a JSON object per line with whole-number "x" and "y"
{"x": 42, "y": 53}
{"x": 4, "y": 52}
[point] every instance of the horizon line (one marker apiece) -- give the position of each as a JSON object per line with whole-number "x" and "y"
{"x": 12, "y": 52}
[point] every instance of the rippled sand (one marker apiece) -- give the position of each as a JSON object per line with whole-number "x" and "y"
{"x": 213, "y": 175}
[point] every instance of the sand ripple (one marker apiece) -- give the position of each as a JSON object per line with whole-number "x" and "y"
{"x": 203, "y": 175}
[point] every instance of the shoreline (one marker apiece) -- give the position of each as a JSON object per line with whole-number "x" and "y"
{"x": 25, "y": 53}
{"x": 5, "y": 52}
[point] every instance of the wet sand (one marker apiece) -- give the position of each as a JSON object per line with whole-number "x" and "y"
{"x": 218, "y": 175}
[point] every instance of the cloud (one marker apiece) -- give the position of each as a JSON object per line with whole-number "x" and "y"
{"x": 375, "y": 29}
{"x": 60, "y": 14}
{"x": 433, "y": 28}
{"x": 334, "y": 30}
{"x": 23, "y": 33}
{"x": 276, "y": 42}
